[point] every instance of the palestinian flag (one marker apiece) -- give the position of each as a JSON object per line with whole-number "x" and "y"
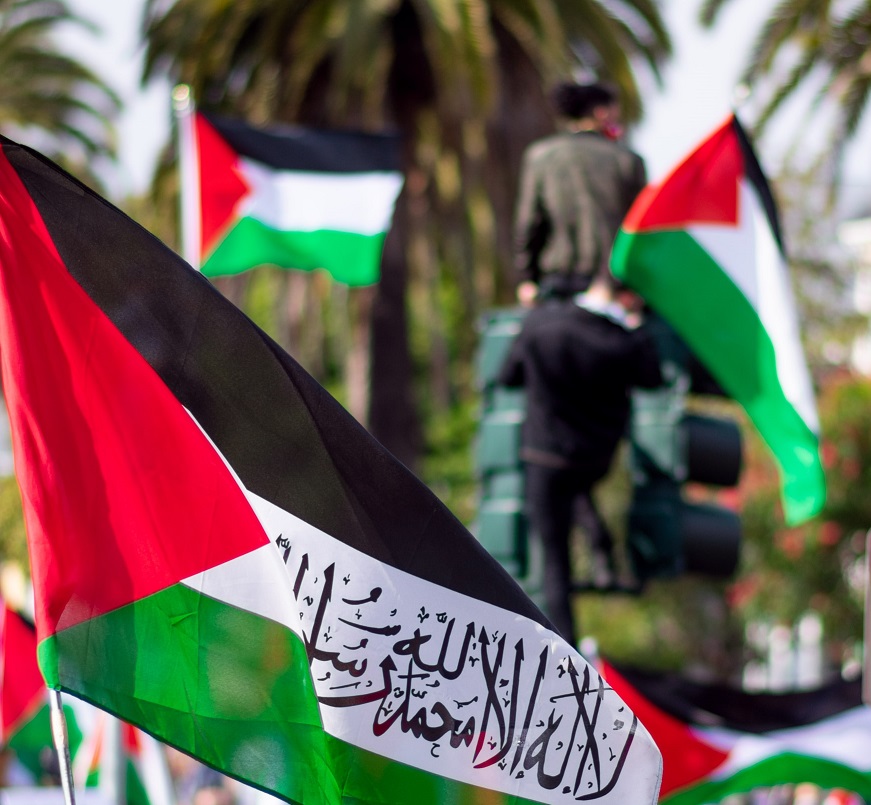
{"x": 704, "y": 249}
{"x": 147, "y": 779}
{"x": 718, "y": 741}
{"x": 25, "y": 718}
{"x": 290, "y": 197}
{"x": 22, "y": 690}
{"x": 224, "y": 558}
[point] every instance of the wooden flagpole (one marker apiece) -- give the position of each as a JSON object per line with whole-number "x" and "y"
{"x": 62, "y": 745}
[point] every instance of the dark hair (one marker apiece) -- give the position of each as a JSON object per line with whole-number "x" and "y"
{"x": 575, "y": 101}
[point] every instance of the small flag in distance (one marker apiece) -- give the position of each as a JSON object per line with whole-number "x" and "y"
{"x": 292, "y": 197}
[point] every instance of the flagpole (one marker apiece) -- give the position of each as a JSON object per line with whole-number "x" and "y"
{"x": 189, "y": 178}
{"x": 62, "y": 745}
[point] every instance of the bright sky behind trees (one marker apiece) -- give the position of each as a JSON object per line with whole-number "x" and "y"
{"x": 697, "y": 93}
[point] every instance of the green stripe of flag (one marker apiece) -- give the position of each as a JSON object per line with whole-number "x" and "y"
{"x": 742, "y": 355}
{"x": 780, "y": 769}
{"x": 350, "y": 257}
{"x": 179, "y": 683}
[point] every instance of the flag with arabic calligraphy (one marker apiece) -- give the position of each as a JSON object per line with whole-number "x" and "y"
{"x": 223, "y": 557}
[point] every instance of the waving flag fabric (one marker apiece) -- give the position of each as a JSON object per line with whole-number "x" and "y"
{"x": 719, "y": 741}
{"x": 223, "y": 557}
{"x": 704, "y": 249}
{"x": 293, "y": 197}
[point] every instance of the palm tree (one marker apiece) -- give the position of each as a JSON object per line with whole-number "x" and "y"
{"x": 461, "y": 80}
{"x": 45, "y": 95}
{"x": 821, "y": 44}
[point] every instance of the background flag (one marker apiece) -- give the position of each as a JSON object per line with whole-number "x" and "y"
{"x": 146, "y": 772}
{"x": 22, "y": 689}
{"x": 292, "y": 197}
{"x": 760, "y": 740}
{"x": 704, "y": 249}
{"x": 223, "y": 557}
{"x": 25, "y": 719}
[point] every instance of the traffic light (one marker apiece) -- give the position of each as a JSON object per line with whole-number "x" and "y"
{"x": 501, "y": 526}
{"x": 666, "y": 535}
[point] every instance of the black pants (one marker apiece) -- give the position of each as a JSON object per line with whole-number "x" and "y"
{"x": 556, "y": 499}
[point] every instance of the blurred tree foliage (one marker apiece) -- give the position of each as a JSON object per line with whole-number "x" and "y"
{"x": 13, "y": 545}
{"x": 47, "y": 98}
{"x": 810, "y": 50}
{"x": 817, "y": 565}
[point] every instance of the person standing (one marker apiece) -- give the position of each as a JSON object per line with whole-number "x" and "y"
{"x": 576, "y": 187}
{"x": 578, "y": 360}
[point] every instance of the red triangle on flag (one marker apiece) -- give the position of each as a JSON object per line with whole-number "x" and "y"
{"x": 685, "y": 758}
{"x": 703, "y": 189}
{"x": 115, "y": 462}
{"x": 222, "y": 185}
{"x": 22, "y": 689}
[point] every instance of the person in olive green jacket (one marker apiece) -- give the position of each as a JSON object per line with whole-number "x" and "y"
{"x": 576, "y": 186}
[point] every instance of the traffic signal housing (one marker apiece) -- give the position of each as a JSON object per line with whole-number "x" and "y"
{"x": 670, "y": 447}
{"x": 501, "y": 525}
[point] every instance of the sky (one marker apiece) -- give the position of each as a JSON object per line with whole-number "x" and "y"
{"x": 115, "y": 55}
{"x": 698, "y": 91}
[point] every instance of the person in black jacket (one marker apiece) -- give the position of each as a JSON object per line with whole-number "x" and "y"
{"x": 578, "y": 360}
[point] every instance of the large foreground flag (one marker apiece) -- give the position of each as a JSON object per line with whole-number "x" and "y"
{"x": 223, "y": 557}
{"x": 291, "y": 197}
{"x": 718, "y": 741}
{"x": 704, "y": 249}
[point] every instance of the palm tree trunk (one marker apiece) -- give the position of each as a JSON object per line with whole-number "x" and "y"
{"x": 234, "y": 288}
{"x": 393, "y": 416}
{"x": 358, "y": 350}
{"x": 522, "y": 115}
{"x": 300, "y": 320}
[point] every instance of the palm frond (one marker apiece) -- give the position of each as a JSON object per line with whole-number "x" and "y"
{"x": 784, "y": 90}
{"x": 45, "y": 90}
{"x": 854, "y": 104}
{"x": 793, "y": 22}
{"x": 709, "y": 11}
{"x": 364, "y": 41}
{"x": 654, "y": 40}
{"x": 536, "y": 27}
